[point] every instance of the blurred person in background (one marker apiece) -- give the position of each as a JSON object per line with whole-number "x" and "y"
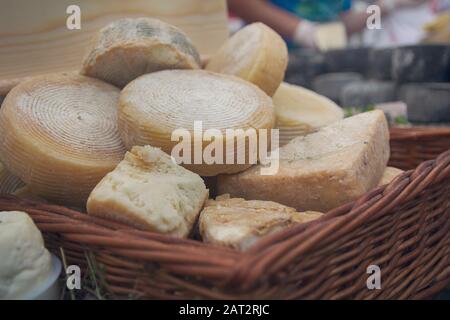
{"x": 298, "y": 20}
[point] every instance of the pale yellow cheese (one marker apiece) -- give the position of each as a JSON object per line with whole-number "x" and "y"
{"x": 9, "y": 183}
{"x": 255, "y": 53}
{"x": 389, "y": 175}
{"x": 322, "y": 170}
{"x": 59, "y": 135}
{"x": 150, "y": 192}
{"x": 238, "y": 223}
{"x": 300, "y": 111}
{"x": 25, "y": 264}
{"x": 156, "y": 105}
{"x": 129, "y": 48}
{"x": 331, "y": 36}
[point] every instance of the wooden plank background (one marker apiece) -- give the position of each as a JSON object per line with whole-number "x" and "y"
{"x": 34, "y": 38}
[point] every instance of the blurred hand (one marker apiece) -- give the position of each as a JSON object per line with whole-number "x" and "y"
{"x": 305, "y": 34}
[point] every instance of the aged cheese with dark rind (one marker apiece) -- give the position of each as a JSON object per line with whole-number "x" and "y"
{"x": 129, "y": 48}
{"x": 58, "y": 134}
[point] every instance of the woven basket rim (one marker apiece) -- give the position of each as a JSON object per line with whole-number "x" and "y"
{"x": 419, "y": 132}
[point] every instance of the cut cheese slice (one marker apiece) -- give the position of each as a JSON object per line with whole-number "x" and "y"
{"x": 157, "y": 105}
{"x": 129, "y": 48}
{"x": 322, "y": 170}
{"x": 238, "y": 223}
{"x": 389, "y": 175}
{"x": 9, "y": 183}
{"x": 255, "y": 53}
{"x": 331, "y": 36}
{"x": 147, "y": 190}
{"x": 59, "y": 135}
{"x": 300, "y": 111}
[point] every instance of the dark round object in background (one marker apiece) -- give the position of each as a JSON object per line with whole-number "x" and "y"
{"x": 421, "y": 63}
{"x": 380, "y": 63}
{"x": 347, "y": 60}
{"x": 332, "y": 84}
{"x": 427, "y": 102}
{"x": 362, "y": 94}
{"x": 304, "y": 65}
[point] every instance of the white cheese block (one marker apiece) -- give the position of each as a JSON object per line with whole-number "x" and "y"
{"x": 255, "y": 53}
{"x": 322, "y": 170}
{"x": 300, "y": 111}
{"x": 25, "y": 264}
{"x": 238, "y": 223}
{"x": 9, "y": 183}
{"x": 59, "y": 135}
{"x": 150, "y": 192}
{"x": 129, "y": 48}
{"x": 331, "y": 36}
{"x": 389, "y": 175}
{"x": 153, "y": 106}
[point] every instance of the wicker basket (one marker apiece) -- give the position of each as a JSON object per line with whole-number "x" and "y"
{"x": 403, "y": 227}
{"x": 412, "y": 146}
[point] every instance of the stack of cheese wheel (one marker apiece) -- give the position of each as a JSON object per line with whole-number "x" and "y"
{"x": 155, "y": 105}
{"x": 255, "y": 53}
{"x": 129, "y": 48}
{"x": 58, "y": 134}
{"x": 300, "y": 111}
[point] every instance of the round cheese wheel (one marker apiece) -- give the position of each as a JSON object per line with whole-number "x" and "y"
{"x": 300, "y": 111}
{"x": 9, "y": 183}
{"x": 255, "y": 53}
{"x": 153, "y": 106}
{"x": 129, "y": 48}
{"x": 25, "y": 264}
{"x": 58, "y": 133}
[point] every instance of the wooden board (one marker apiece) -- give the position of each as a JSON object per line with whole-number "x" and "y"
{"x": 34, "y": 38}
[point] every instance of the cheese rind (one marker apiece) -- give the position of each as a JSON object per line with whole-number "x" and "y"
{"x": 255, "y": 53}
{"x": 322, "y": 170}
{"x": 389, "y": 175}
{"x": 129, "y": 48}
{"x": 150, "y": 192}
{"x": 300, "y": 111}
{"x": 9, "y": 183}
{"x": 59, "y": 135}
{"x": 238, "y": 223}
{"x": 157, "y": 105}
{"x": 25, "y": 263}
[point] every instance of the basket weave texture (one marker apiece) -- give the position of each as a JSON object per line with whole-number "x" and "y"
{"x": 403, "y": 227}
{"x": 412, "y": 146}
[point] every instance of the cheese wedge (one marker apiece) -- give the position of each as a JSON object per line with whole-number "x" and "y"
{"x": 322, "y": 170}
{"x": 59, "y": 135}
{"x": 129, "y": 48}
{"x": 158, "y": 105}
{"x": 238, "y": 223}
{"x": 300, "y": 111}
{"x": 150, "y": 192}
{"x": 9, "y": 183}
{"x": 255, "y": 53}
{"x": 389, "y": 175}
